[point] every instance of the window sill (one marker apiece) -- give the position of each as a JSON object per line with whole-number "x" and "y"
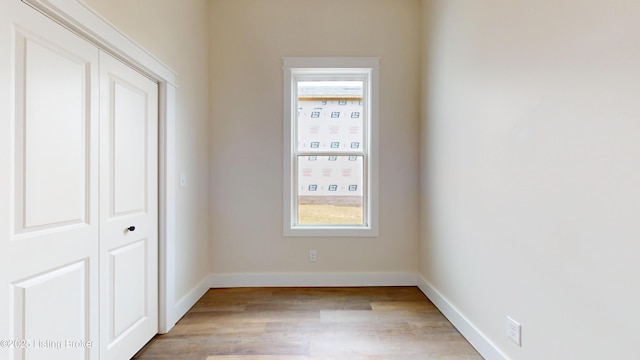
{"x": 330, "y": 231}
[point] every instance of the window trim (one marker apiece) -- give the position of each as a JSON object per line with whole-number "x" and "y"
{"x": 308, "y": 67}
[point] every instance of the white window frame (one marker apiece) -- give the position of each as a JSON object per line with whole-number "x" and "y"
{"x": 331, "y": 68}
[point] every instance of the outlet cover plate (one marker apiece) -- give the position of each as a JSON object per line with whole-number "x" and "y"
{"x": 514, "y": 331}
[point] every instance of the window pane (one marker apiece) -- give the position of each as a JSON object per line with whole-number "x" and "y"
{"x": 330, "y": 190}
{"x": 330, "y": 116}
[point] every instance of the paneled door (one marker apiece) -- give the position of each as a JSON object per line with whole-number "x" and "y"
{"x": 49, "y": 222}
{"x": 128, "y": 209}
{"x": 78, "y": 196}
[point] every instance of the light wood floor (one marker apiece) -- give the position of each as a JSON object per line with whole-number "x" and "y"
{"x": 311, "y": 323}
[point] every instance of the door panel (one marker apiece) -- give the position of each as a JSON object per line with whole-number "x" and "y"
{"x": 51, "y": 143}
{"x": 48, "y": 188}
{"x": 129, "y": 125}
{"x": 128, "y": 193}
{"x": 37, "y": 298}
{"x": 128, "y": 285}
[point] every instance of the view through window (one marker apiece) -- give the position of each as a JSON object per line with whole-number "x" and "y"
{"x": 330, "y": 152}
{"x": 330, "y": 146}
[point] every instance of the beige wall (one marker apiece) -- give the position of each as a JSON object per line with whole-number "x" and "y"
{"x": 530, "y": 168}
{"x": 248, "y": 39}
{"x": 176, "y": 32}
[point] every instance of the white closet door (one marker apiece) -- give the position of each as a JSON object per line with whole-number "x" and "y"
{"x": 128, "y": 209}
{"x": 48, "y": 189}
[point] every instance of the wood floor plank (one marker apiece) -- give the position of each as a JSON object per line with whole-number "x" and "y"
{"x": 402, "y": 305}
{"x": 258, "y": 357}
{"x": 370, "y": 323}
{"x": 308, "y": 305}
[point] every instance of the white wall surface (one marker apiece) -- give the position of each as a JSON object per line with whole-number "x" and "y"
{"x": 176, "y": 32}
{"x": 248, "y": 40}
{"x": 531, "y": 171}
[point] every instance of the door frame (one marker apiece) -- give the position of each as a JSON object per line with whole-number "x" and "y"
{"x": 81, "y": 19}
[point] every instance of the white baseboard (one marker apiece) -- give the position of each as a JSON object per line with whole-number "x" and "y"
{"x": 479, "y": 341}
{"x": 186, "y": 302}
{"x": 312, "y": 280}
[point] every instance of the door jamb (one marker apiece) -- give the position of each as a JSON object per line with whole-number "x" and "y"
{"x": 84, "y": 21}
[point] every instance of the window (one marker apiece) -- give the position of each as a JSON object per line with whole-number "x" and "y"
{"x": 330, "y": 152}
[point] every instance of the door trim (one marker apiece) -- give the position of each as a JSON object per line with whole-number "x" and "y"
{"x": 81, "y": 19}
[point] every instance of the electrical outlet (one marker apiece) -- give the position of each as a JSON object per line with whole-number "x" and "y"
{"x": 513, "y": 331}
{"x": 313, "y": 255}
